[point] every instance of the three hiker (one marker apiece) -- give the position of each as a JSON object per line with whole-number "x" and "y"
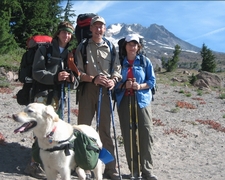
{"x": 100, "y": 73}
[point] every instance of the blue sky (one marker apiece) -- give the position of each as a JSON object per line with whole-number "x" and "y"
{"x": 196, "y": 22}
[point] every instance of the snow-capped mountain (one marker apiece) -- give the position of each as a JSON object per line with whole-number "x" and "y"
{"x": 159, "y": 42}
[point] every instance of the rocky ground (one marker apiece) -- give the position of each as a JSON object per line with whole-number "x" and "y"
{"x": 189, "y": 135}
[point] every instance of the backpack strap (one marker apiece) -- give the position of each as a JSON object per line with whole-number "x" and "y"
{"x": 112, "y": 51}
{"x": 143, "y": 61}
{"x": 83, "y": 51}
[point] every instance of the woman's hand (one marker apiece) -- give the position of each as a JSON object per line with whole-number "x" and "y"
{"x": 136, "y": 86}
{"x": 63, "y": 75}
{"x": 129, "y": 83}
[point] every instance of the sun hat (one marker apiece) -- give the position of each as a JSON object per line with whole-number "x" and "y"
{"x": 132, "y": 37}
{"x": 97, "y": 19}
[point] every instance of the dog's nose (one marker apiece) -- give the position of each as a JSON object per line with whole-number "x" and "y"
{"x": 14, "y": 116}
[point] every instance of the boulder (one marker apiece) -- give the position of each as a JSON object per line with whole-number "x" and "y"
{"x": 207, "y": 79}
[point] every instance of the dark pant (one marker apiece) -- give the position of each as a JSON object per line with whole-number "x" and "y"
{"x": 145, "y": 129}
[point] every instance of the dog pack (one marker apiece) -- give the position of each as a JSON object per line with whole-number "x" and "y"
{"x": 25, "y": 69}
{"x": 86, "y": 151}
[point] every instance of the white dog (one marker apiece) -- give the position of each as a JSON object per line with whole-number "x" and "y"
{"x": 52, "y": 132}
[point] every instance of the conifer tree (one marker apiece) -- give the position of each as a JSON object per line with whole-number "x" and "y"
{"x": 208, "y": 59}
{"x": 69, "y": 14}
{"x": 172, "y": 64}
{"x": 7, "y": 41}
{"x": 35, "y": 17}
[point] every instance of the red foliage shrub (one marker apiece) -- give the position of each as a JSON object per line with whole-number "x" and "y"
{"x": 212, "y": 124}
{"x": 5, "y": 90}
{"x": 182, "y": 104}
{"x": 157, "y": 122}
{"x": 176, "y": 131}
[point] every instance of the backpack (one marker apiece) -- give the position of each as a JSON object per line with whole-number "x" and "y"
{"x": 142, "y": 57}
{"x": 82, "y": 29}
{"x": 86, "y": 151}
{"x": 24, "y": 96}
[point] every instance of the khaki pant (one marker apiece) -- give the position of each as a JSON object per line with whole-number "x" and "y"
{"x": 88, "y": 106}
{"x": 145, "y": 128}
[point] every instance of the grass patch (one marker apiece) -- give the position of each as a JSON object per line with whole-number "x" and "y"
{"x": 175, "y": 110}
{"x": 11, "y": 61}
{"x": 199, "y": 92}
{"x": 222, "y": 96}
{"x": 4, "y": 82}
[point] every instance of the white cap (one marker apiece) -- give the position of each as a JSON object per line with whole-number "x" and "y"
{"x": 97, "y": 19}
{"x": 132, "y": 37}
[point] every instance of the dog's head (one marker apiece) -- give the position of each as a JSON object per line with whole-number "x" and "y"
{"x": 35, "y": 115}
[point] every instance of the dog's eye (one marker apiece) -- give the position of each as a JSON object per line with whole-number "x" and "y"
{"x": 30, "y": 110}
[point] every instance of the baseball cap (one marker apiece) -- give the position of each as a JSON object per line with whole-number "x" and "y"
{"x": 132, "y": 37}
{"x": 97, "y": 19}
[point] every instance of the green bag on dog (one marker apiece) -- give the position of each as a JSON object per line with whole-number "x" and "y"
{"x": 86, "y": 151}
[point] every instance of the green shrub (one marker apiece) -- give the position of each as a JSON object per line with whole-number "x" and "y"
{"x": 222, "y": 96}
{"x": 175, "y": 110}
{"x": 188, "y": 94}
{"x": 199, "y": 92}
{"x": 181, "y": 91}
{"x": 192, "y": 79}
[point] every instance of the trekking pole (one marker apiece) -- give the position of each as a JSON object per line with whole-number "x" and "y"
{"x": 114, "y": 131}
{"x": 68, "y": 90}
{"x": 99, "y": 108}
{"x": 131, "y": 136}
{"x": 62, "y": 101}
{"x": 137, "y": 134}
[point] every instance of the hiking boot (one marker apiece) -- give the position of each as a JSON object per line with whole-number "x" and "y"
{"x": 35, "y": 170}
{"x": 149, "y": 177}
{"x": 111, "y": 174}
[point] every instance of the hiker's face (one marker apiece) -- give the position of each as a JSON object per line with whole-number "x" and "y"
{"x": 132, "y": 47}
{"x": 64, "y": 38}
{"x": 97, "y": 29}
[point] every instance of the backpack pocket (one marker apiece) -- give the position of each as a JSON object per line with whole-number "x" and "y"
{"x": 24, "y": 95}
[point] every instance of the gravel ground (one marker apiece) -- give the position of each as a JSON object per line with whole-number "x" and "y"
{"x": 188, "y": 141}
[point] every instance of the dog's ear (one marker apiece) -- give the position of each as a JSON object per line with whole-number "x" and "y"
{"x": 51, "y": 113}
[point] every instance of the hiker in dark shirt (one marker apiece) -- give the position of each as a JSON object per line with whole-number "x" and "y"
{"x": 133, "y": 95}
{"x": 49, "y": 74}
